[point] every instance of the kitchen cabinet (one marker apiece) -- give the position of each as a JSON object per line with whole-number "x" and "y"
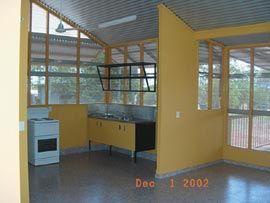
{"x": 128, "y": 135}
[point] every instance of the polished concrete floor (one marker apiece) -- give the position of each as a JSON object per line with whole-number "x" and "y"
{"x": 98, "y": 177}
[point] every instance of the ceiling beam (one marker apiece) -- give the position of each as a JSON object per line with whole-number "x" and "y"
{"x": 232, "y": 31}
{"x": 243, "y": 46}
{"x": 150, "y": 40}
{"x": 70, "y": 22}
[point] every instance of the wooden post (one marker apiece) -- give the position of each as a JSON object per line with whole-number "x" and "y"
{"x": 47, "y": 60}
{"x": 29, "y": 58}
{"x": 251, "y": 97}
{"x": 108, "y": 60}
{"x": 125, "y": 74}
{"x": 78, "y": 54}
{"x": 225, "y": 93}
{"x": 141, "y": 73}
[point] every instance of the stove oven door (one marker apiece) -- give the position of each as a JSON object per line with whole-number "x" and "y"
{"x": 46, "y": 146}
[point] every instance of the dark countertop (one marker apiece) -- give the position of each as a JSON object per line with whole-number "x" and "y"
{"x": 134, "y": 120}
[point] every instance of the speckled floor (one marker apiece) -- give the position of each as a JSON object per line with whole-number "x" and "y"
{"x": 98, "y": 177}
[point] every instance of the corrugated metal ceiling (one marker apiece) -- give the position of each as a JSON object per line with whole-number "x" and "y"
{"x": 198, "y": 14}
{"x": 208, "y": 14}
{"x": 89, "y": 14}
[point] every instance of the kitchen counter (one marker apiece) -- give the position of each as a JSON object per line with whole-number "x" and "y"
{"x": 134, "y": 120}
{"x": 136, "y": 135}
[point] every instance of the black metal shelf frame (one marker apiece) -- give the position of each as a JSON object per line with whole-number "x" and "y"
{"x": 144, "y": 75}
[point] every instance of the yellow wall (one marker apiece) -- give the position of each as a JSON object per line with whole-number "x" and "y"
{"x": 73, "y": 125}
{"x": 196, "y": 137}
{"x": 23, "y": 101}
{"x": 247, "y": 156}
{"x": 13, "y": 40}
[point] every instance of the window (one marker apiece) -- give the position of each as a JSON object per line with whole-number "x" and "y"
{"x": 55, "y": 74}
{"x": 203, "y": 76}
{"x": 143, "y": 52}
{"x": 249, "y": 106}
{"x": 37, "y": 77}
{"x": 90, "y": 55}
{"x": 216, "y": 80}
{"x": 133, "y": 57}
{"x": 150, "y": 55}
{"x": 210, "y": 72}
{"x": 239, "y": 83}
{"x": 62, "y": 65}
{"x": 117, "y": 57}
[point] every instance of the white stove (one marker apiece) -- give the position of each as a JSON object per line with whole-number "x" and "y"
{"x": 43, "y": 137}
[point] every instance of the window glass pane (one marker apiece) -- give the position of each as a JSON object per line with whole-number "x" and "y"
{"x": 261, "y": 133}
{"x": 39, "y": 19}
{"x": 134, "y": 57}
{"x": 216, "y": 83}
{"x": 62, "y": 90}
{"x": 238, "y": 130}
{"x": 150, "y": 55}
{"x": 117, "y": 57}
{"x": 37, "y": 90}
{"x": 239, "y": 79}
{"x": 54, "y": 22}
{"x": 203, "y": 76}
{"x": 91, "y": 54}
{"x": 63, "y": 49}
{"x": 38, "y": 52}
{"x": 239, "y": 92}
{"x": 62, "y": 64}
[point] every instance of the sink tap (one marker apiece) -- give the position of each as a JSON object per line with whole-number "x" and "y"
{"x": 124, "y": 116}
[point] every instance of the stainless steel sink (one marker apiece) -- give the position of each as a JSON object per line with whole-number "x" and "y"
{"x": 110, "y": 116}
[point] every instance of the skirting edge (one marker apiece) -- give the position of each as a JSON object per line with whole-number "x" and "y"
{"x": 102, "y": 147}
{"x": 236, "y": 163}
{"x": 185, "y": 170}
{"x": 77, "y": 150}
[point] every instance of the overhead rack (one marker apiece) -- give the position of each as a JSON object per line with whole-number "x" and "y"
{"x": 130, "y": 76}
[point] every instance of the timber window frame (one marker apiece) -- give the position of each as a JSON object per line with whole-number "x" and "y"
{"x": 251, "y": 119}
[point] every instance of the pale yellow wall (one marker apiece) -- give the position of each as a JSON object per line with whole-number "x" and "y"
{"x": 196, "y": 137}
{"x": 73, "y": 124}
{"x": 10, "y": 107}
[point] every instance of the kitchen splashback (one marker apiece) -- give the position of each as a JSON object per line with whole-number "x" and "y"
{"x": 140, "y": 112}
